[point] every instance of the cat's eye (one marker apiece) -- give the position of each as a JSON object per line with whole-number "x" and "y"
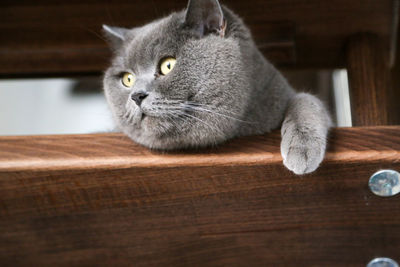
{"x": 167, "y": 64}
{"x": 128, "y": 79}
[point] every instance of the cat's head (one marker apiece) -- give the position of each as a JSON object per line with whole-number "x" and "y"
{"x": 179, "y": 81}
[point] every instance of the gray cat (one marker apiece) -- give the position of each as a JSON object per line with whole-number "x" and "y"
{"x": 196, "y": 78}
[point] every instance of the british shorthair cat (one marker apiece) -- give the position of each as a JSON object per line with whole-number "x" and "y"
{"x": 196, "y": 78}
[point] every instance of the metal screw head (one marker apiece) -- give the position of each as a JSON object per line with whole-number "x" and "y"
{"x": 385, "y": 183}
{"x": 382, "y": 262}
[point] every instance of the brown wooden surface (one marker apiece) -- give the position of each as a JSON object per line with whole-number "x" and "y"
{"x": 395, "y": 92}
{"x": 369, "y": 81}
{"x": 44, "y": 36}
{"x": 101, "y": 200}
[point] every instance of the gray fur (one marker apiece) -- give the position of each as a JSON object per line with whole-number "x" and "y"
{"x": 221, "y": 87}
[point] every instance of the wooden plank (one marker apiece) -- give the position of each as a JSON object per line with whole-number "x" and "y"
{"x": 369, "y": 80}
{"x": 394, "y": 95}
{"x": 103, "y": 200}
{"x": 45, "y": 36}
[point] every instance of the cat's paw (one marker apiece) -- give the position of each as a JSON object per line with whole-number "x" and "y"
{"x": 301, "y": 153}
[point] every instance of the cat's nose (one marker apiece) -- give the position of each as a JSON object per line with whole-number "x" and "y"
{"x": 138, "y": 97}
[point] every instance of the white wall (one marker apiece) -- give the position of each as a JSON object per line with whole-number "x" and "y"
{"x": 47, "y": 106}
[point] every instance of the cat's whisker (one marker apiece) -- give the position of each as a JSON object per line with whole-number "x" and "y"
{"x": 126, "y": 114}
{"x": 177, "y": 112}
{"x": 167, "y": 107}
{"x": 168, "y": 101}
{"x": 200, "y": 120}
{"x": 130, "y": 117}
{"x": 219, "y": 114}
{"x": 212, "y": 106}
{"x": 174, "y": 117}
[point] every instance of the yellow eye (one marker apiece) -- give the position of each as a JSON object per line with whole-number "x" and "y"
{"x": 128, "y": 80}
{"x": 167, "y": 64}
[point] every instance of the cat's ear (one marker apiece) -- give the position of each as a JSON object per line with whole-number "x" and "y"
{"x": 115, "y": 35}
{"x": 204, "y": 17}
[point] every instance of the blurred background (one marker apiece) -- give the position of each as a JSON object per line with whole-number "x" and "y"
{"x": 53, "y": 106}
{"x": 52, "y": 54}
{"x": 77, "y": 105}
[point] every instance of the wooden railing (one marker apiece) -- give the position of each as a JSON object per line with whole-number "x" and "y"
{"x": 49, "y": 37}
{"x": 103, "y": 200}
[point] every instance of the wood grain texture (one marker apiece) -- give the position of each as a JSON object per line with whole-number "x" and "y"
{"x": 45, "y": 37}
{"x": 85, "y": 200}
{"x": 369, "y": 81}
{"x": 395, "y": 81}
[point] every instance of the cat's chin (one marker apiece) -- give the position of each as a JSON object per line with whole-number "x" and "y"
{"x": 160, "y": 133}
{"x": 156, "y": 142}
{"x": 167, "y": 140}
{"x": 152, "y": 132}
